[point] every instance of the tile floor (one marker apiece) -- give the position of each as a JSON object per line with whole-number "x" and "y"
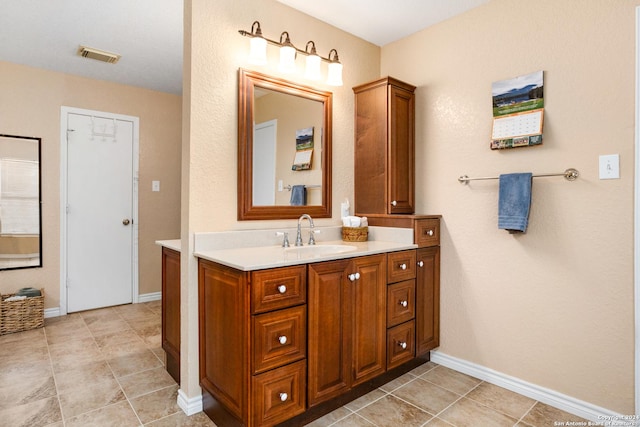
{"x": 105, "y": 368}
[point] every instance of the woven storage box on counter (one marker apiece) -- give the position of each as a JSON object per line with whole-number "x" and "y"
{"x": 355, "y": 234}
{"x": 22, "y": 315}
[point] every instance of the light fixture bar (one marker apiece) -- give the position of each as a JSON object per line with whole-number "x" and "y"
{"x": 277, "y": 43}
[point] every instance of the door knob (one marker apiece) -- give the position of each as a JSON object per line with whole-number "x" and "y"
{"x": 126, "y": 221}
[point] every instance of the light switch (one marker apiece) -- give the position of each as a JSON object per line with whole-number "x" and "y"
{"x": 610, "y": 166}
{"x": 155, "y": 185}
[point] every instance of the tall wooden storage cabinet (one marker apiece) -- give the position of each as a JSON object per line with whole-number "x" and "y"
{"x": 384, "y": 147}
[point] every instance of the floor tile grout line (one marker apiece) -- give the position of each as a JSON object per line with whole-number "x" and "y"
{"x": 53, "y": 374}
{"x": 462, "y": 396}
{"x": 526, "y": 413}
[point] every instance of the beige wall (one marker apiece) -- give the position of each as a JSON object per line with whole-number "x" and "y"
{"x": 30, "y": 105}
{"x": 554, "y": 306}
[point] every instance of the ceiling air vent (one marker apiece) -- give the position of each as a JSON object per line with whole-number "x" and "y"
{"x": 100, "y": 55}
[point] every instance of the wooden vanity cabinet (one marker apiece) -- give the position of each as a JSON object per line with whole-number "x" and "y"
{"x": 284, "y": 346}
{"x": 427, "y": 299}
{"x": 252, "y": 343}
{"x": 171, "y": 311}
{"x": 347, "y": 325}
{"x": 426, "y": 231}
{"x": 384, "y": 171}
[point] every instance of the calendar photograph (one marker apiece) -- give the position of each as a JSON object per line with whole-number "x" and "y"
{"x": 518, "y": 111}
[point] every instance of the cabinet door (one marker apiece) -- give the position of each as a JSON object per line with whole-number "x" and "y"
{"x": 368, "y": 328}
{"x": 427, "y": 299}
{"x": 223, "y": 308}
{"x": 171, "y": 310}
{"x": 328, "y": 352}
{"x": 401, "y": 178}
{"x": 370, "y": 166}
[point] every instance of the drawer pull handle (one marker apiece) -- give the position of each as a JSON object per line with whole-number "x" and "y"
{"x": 404, "y": 303}
{"x": 429, "y": 233}
{"x": 284, "y": 397}
{"x": 282, "y": 289}
{"x": 403, "y": 266}
{"x": 354, "y": 276}
{"x": 403, "y": 345}
{"x": 420, "y": 263}
{"x": 394, "y": 203}
{"x": 282, "y": 339}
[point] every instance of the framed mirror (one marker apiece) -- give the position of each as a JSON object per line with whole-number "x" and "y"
{"x": 20, "y": 203}
{"x": 284, "y": 149}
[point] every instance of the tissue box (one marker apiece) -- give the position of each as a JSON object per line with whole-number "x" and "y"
{"x": 355, "y": 234}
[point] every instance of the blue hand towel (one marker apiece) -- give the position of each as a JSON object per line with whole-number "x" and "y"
{"x": 298, "y": 195}
{"x": 514, "y": 202}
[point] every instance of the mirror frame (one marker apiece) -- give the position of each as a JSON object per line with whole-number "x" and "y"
{"x": 39, "y": 144}
{"x": 247, "y": 81}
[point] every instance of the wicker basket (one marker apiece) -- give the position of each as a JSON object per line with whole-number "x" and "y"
{"x": 22, "y": 315}
{"x": 355, "y": 234}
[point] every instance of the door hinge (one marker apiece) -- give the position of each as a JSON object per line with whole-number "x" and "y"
{"x": 67, "y": 209}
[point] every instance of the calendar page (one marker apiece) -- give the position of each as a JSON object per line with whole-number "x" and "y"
{"x": 520, "y": 124}
{"x": 518, "y": 111}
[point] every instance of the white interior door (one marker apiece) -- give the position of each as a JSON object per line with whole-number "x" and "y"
{"x": 99, "y": 211}
{"x": 264, "y": 163}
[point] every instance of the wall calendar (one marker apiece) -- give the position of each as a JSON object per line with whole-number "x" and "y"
{"x": 518, "y": 111}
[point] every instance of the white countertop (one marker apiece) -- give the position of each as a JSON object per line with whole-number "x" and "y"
{"x": 175, "y": 244}
{"x": 258, "y": 258}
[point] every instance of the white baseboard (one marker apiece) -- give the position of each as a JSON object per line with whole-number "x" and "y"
{"x": 153, "y": 296}
{"x": 189, "y": 406}
{"x": 51, "y": 312}
{"x": 550, "y": 397}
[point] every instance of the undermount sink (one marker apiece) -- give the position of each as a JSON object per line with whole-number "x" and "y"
{"x": 318, "y": 250}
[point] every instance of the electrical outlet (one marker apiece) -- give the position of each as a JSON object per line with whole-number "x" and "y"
{"x": 155, "y": 185}
{"x": 610, "y": 166}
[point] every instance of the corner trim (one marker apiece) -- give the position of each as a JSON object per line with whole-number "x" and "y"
{"x": 188, "y": 405}
{"x": 550, "y": 397}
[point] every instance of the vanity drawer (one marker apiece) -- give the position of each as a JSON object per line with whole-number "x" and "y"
{"x": 279, "y": 338}
{"x": 401, "y": 302}
{"x": 427, "y": 232}
{"x": 278, "y": 288}
{"x": 279, "y": 394}
{"x": 401, "y": 266}
{"x": 400, "y": 344}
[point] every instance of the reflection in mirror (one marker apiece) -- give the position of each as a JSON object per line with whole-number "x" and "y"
{"x": 284, "y": 149}
{"x": 20, "y": 215}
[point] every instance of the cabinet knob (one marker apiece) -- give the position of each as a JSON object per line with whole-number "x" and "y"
{"x": 403, "y": 266}
{"x": 404, "y": 303}
{"x": 394, "y": 203}
{"x": 354, "y": 276}
{"x": 429, "y": 233}
{"x": 284, "y": 397}
{"x": 403, "y": 345}
{"x": 420, "y": 263}
{"x": 282, "y": 289}
{"x": 282, "y": 339}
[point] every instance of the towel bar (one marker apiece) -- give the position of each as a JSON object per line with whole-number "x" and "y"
{"x": 570, "y": 174}
{"x": 288, "y": 187}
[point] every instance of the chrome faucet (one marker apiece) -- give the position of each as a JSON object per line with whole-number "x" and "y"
{"x": 312, "y": 241}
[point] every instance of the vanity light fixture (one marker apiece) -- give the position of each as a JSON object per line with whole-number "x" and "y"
{"x": 258, "y": 52}
{"x": 335, "y": 69}
{"x": 288, "y": 53}
{"x": 312, "y": 67}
